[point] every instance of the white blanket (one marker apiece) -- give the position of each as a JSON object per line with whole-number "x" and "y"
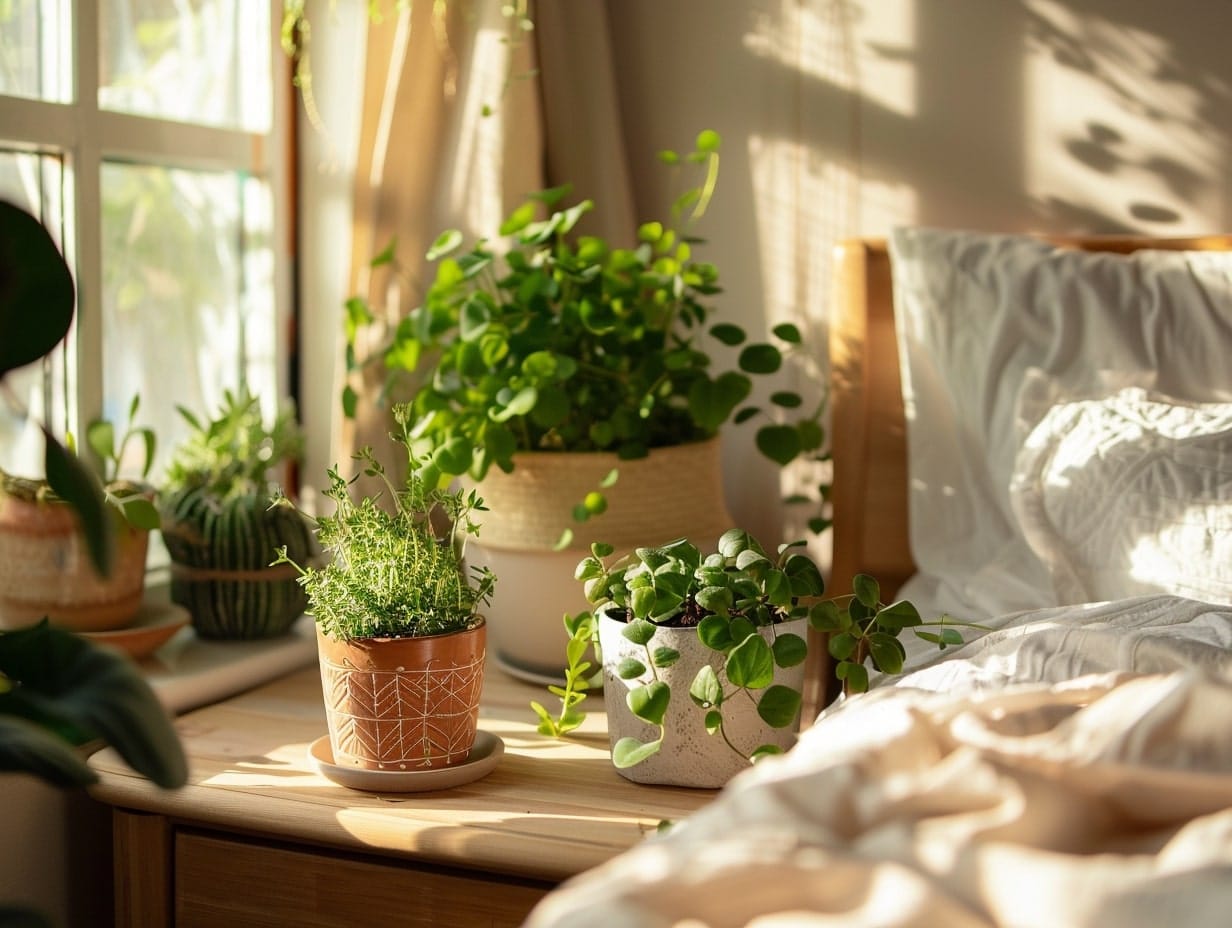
{"x": 1071, "y": 768}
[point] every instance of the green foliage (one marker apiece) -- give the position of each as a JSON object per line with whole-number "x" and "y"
{"x": 861, "y": 627}
{"x": 555, "y": 340}
{"x": 132, "y": 499}
{"x": 390, "y": 573}
{"x": 733, "y": 592}
{"x": 233, "y": 453}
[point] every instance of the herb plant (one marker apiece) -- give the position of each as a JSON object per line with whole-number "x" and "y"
{"x": 554, "y": 340}
{"x": 390, "y": 574}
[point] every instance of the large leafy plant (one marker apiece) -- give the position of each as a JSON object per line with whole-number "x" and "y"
{"x": 390, "y": 572}
{"x": 555, "y": 340}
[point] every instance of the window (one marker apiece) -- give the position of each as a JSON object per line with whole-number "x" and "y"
{"x": 158, "y": 157}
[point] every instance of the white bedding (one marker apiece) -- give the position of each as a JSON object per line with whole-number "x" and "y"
{"x": 1073, "y": 767}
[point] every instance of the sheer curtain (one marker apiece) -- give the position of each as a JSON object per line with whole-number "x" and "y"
{"x": 462, "y": 116}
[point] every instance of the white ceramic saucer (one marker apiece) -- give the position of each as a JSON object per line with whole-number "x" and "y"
{"x": 482, "y": 759}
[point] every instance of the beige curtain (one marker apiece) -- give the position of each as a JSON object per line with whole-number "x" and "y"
{"x": 461, "y": 119}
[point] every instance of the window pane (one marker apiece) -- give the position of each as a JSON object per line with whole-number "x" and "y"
{"x": 188, "y": 306}
{"x": 34, "y": 50}
{"x": 198, "y": 61}
{"x": 35, "y": 183}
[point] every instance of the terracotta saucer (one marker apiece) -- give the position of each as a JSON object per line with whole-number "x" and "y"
{"x": 479, "y": 763}
{"x": 153, "y": 626}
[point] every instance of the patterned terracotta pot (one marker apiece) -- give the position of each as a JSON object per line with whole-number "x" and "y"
{"x": 45, "y": 570}
{"x": 403, "y": 703}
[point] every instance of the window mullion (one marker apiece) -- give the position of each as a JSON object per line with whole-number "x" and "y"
{"x": 85, "y": 160}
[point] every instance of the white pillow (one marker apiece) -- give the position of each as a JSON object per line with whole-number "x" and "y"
{"x": 1130, "y": 494}
{"x": 976, "y": 316}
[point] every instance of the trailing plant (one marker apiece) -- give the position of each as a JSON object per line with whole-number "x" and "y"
{"x": 728, "y": 595}
{"x": 390, "y": 573}
{"x": 552, "y": 340}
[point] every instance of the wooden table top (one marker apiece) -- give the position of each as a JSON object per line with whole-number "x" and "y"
{"x": 550, "y": 809}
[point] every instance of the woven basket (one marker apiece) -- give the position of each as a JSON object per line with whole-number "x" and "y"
{"x": 45, "y": 570}
{"x": 674, "y": 492}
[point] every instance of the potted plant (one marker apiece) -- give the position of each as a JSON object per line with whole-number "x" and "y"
{"x": 45, "y": 564}
{"x": 576, "y": 380}
{"x": 703, "y": 657}
{"x": 220, "y": 527}
{"x": 399, "y": 632}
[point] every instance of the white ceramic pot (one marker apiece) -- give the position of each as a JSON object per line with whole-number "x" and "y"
{"x": 672, "y": 493}
{"x": 689, "y": 755}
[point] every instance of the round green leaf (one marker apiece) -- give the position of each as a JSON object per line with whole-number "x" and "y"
{"x": 760, "y": 358}
{"x": 788, "y": 332}
{"x": 887, "y": 652}
{"x": 780, "y": 443}
{"x": 728, "y": 334}
{"x": 842, "y": 646}
{"x": 639, "y": 631}
{"x": 789, "y": 650}
{"x": 630, "y": 669}
{"x": 779, "y": 706}
{"x": 867, "y": 590}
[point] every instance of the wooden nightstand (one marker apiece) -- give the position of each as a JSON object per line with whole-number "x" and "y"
{"x": 258, "y": 838}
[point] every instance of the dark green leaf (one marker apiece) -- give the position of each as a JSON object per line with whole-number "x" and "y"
{"x": 714, "y": 632}
{"x": 788, "y": 332}
{"x": 779, "y": 706}
{"x": 80, "y": 488}
{"x": 887, "y": 652}
{"x": 760, "y": 358}
{"x": 899, "y": 615}
{"x": 728, "y": 334}
{"x": 789, "y": 650}
{"x": 786, "y": 399}
{"x": 630, "y": 668}
{"x": 842, "y": 646}
{"x": 855, "y": 676}
{"x": 867, "y": 590}
{"x": 36, "y": 290}
{"x": 780, "y": 443}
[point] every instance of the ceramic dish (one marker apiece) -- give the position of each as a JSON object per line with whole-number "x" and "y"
{"x": 152, "y": 627}
{"x": 479, "y": 763}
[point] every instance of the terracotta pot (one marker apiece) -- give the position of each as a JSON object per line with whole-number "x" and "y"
{"x": 45, "y": 570}
{"x": 674, "y": 492}
{"x": 402, "y": 703}
{"x": 689, "y": 755}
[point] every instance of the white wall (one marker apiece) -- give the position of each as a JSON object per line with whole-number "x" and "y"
{"x": 847, "y": 118}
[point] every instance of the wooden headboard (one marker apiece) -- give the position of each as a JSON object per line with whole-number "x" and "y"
{"x": 867, "y": 428}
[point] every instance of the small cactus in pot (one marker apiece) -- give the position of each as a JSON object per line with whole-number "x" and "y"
{"x": 221, "y": 529}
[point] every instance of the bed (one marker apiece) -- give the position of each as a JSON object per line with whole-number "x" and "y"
{"x": 1036, "y": 436}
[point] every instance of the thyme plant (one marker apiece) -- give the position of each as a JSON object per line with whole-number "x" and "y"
{"x": 391, "y": 573}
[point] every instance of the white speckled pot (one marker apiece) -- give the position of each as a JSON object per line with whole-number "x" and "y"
{"x": 689, "y": 756}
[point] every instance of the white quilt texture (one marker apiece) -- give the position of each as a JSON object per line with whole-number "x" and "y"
{"x": 1073, "y": 767}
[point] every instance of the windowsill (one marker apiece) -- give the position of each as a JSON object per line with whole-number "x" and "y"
{"x": 188, "y": 672}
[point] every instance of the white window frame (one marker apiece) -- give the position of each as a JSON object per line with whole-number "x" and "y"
{"x": 87, "y": 136}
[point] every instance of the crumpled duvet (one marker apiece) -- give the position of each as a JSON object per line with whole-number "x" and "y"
{"x": 1073, "y": 767}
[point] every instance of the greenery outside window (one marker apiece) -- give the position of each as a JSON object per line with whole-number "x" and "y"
{"x": 153, "y": 139}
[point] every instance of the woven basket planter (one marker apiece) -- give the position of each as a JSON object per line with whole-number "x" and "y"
{"x": 45, "y": 570}
{"x": 674, "y": 492}
{"x": 220, "y": 553}
{"x": 403, "y": 703}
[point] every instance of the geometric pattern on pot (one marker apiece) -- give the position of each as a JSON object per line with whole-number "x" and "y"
{"x": 402, "y": 718}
